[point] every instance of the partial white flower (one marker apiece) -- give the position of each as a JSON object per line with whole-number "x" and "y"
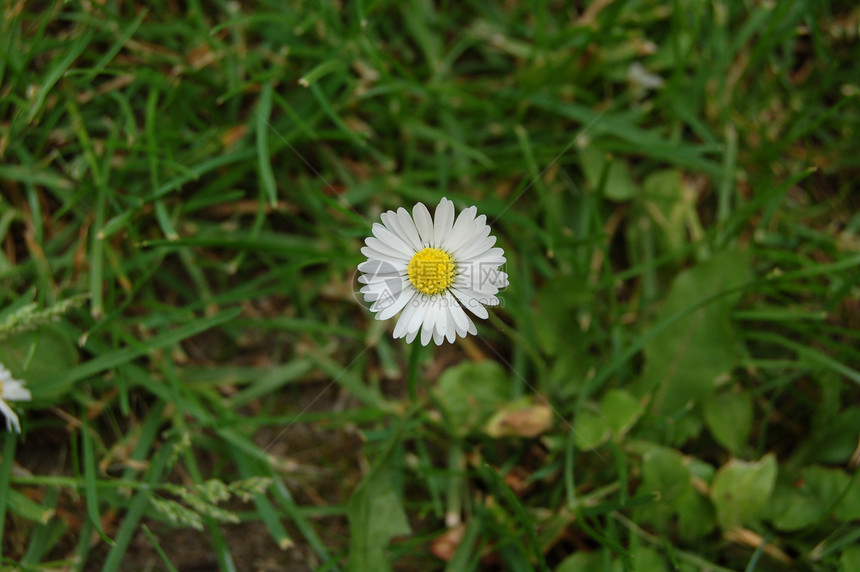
{"x": 432, "y": 270}
{"x": 11, "y": 390}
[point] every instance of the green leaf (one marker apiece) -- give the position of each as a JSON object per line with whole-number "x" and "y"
{"x": 125, "y": 355}
{"x": 665, "y": 475}
{"x": 470, "y": 393}
{"x": 696, "y": 515}
{"x": 555, "y": 316}
{"x": 685, "y": 360}
{"x": 645, "y": 558}
{"x": 590, "y": 430}
{"x": 741, "y": 490}
{"x": 22, "y": 505}
{"x": 834, "y": 441}
{"x": 729, "y": 418}
{"x": 376, "y": 515}
{"x": 38, "y": 358}
{"x": 801, "y": 501}
{"x": 849, "y": 561}
{"x": 619, "y": 184}
{"x": 91, "y": 480}
{"x": 668, "y": 205}
{"x": 621, "y": 410}
{"x": 588, "y": 562}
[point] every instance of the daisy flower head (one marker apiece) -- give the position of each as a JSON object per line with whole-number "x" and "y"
{"x": 431, "y": 270}
{"x": 11, "y": 390}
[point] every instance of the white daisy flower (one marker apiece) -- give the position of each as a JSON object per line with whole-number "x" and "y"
{"x": 432, "y": 269}
{"x": 11, "y": 390}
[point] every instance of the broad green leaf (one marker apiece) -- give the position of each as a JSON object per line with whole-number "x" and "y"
{"x": 685, "y": 428}
{"x": 664, "y": 472}
{"x": 792, "y": 508}
{"x": 621, "y": 410}
{"x": 849, "y": 560}
{"x": 588, "y": 562}
{"x": 648, "y": 559}
{"x": 848, "y": 504}
{"x": 470, "y": 393}
{"x": 684, "y": 361}
{"x": 729, "y": 418}
{"x": 591, "y": 429}
{"x": 741, "y": 490}
{"x": 666, "y": 476}
{"x": 801, "y": 501}
{"x": 696, "y": 515}
{"x": 376, "y": 515}
{"x": 833, "y": 441}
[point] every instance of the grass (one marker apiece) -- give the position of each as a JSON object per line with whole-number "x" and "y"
{"x": 670, "y": 384}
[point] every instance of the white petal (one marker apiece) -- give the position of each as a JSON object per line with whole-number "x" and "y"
{"x": 441, "y": 326}
{"x": 370, "y": 279}
{"x": 389, "y": 219}
{"x": 410, "y": 337}
{"x": 402, "y": 299}
{"x": 421, "y": 302}
{"x": 382, "y": 286}
{"x": 484, "y": 279}
{"x": 451, "y": 333}
{"x": 378, "y": 251}
{"x": 471, "y": 301}
{"x": 390, "y": 296}
{"x": 500, "y": 279}
{"x": 11, "y": 418}
{"x": 14, "y": 390}
{"x": 409, "y": 230}
{"x": 479, "y": 232}
{"x": 407, "y": 234}
{"x": 476, "y": 248}
{"x": 400, "y": 329}
{"x": 476, "y": 279}
{"x": 461, "y": 320}
{"x": 423, "y": 223}
{"x": 493, "y": 256}
{"x": 438, "y": 338}
{"x": 381, "y": 267}
{"x": 461, "y": 229}
{"x": 392, "y": 240}
{"x": 443, "y": 221}
{"x": 430, "y": 313}
{"x": 383, "y": 295}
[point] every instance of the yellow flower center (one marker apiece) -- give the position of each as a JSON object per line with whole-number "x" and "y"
{"x": 431, "y": 271}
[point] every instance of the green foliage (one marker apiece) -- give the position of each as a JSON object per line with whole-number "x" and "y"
{"x": 376, "y": 515}
{"x": 741, "y": 490}
{"x": 671, "y": 382}
{"x": 469, "y": 394}
{"x": 686, "y": 361}
{"x": 729, "y": 418}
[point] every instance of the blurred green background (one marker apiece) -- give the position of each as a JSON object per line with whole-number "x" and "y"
{"x": 671, "y": 382}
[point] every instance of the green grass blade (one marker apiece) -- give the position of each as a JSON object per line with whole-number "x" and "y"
{"x": 125, "y": 355}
